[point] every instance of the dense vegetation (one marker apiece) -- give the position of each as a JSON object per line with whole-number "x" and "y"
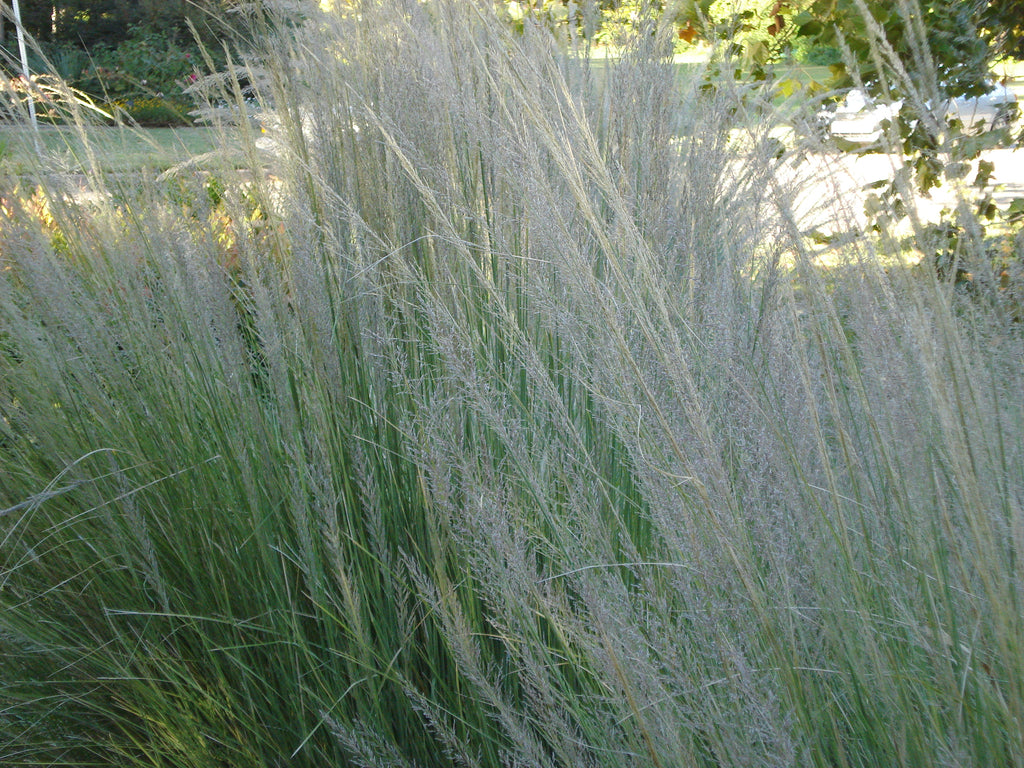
{"x": 498, "y": 414}
{"x": 141, "y": 57}
{"x": 89, "y": 23}
{"x": 136, "y": 59}
{"x": 952, "y": 42}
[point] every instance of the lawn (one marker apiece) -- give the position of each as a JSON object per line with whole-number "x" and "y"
{"x": 115, "y": 150}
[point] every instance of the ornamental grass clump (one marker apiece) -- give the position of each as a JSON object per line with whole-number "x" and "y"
{"x": 497, "y": 414}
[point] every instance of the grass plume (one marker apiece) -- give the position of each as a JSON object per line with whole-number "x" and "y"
{"x": 496, "y": 415}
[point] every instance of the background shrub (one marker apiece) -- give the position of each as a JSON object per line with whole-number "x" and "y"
{"x": 808, "y": 51}
{"x": 146, "y": 74}
{"x": 147, "y": 64}
{"x": 155, "y": 111}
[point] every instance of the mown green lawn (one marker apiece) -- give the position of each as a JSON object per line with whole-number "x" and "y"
{"x": 122, "y": 149}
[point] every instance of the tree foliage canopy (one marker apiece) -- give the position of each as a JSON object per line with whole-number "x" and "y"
{"x": 951, "y": 41}
{"x": 92, "y": 22}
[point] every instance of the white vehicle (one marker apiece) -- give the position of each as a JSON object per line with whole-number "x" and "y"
{"x": 858, "y": 120}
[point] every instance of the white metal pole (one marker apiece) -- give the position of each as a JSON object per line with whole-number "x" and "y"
{"x": 25, "y": 71}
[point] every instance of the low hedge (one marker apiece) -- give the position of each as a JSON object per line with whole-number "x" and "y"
{"x": 154, "y": 111}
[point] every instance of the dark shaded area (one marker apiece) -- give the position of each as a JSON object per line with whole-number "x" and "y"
{"x": 87, "y": 23}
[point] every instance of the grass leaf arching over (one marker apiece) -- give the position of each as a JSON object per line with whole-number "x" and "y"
{"x": 495, "y": 414}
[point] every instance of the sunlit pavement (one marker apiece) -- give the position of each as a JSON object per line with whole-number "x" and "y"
{"x": 832, "y": 188}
